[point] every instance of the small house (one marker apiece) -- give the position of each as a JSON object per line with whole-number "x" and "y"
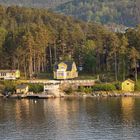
{"x": 65, "y": 70}
{"x": 22, "y": 89}
{"x": 128, "y": 85}
{"x": 9, "y": 74}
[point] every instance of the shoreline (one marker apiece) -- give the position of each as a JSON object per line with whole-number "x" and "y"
{"x": 104, "y": 94}
{"x": 75, "y": 95}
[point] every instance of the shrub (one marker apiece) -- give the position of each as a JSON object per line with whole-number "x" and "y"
{"x": 10, "y": 86}
{"x": 36, "y": 88}
{"x": 118, "y": 85}
{"x": 85, "y": 89}
{"x": 88, "y": 90}
{"x": 104, "y": 87}
{"x": 81, "y": 89}
{"x": 137, "y": 87}
{"x": 69, "y": 90}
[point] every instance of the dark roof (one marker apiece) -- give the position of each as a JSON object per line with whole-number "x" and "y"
{"x": 68, "y": 63}
{"x": 21, "y": 86}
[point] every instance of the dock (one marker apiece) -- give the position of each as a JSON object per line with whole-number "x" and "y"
{"x": 31, "y": 96}
{"x": 39, "y": 96}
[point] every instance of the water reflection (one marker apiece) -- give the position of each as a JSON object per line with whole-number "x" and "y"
{"x": 21, "y": 109}
{"x": 70, "y": 119}
{"x": 127, "y": 106}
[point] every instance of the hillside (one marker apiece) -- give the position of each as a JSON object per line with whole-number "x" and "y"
{"x": 34, "y": 3}
{"x": 125, "y": 12}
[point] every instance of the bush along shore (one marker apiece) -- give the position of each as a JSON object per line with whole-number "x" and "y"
{"x": 101, "y": 90}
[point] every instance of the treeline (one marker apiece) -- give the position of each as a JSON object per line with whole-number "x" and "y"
{"x": 125, "y": 12}
{"x": 32, "y": 40}
{"x": 34, "y": 3}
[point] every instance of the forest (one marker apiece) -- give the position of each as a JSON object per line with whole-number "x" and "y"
{"x": 125, "y": 12}
{"x": 33, "y": 40}
{"x": 35, "y": 3}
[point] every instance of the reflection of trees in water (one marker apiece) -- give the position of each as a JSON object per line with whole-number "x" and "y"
{"x": 127, "y": 109}
{"x": 21, "y": 109}
{"x": 137, "y": 110}
{"x": 102, "y": 106}
{"x": 63, "y": 115}
{"x": 29, "y": 110}
{"x": 14, "y": 108}
{"x": 61, "y": 109}
{"x": 60, "y": 118}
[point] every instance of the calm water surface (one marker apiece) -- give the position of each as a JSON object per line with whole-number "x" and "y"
{"x": 70, "y": 119}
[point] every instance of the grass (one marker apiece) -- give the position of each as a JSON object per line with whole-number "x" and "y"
{"x": 86, "y": 77}
{"x": 48, "y": 76}
{"x": 137, "y": 87}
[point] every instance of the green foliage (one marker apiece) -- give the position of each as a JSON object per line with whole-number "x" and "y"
{"x": 103, "y": 11}
{"x": 137, "y": 86}
{"x": 85, "y": 89}
{"x": 34, "y": 3}
{"x": 104, "y": 87}
{"x": 69, "y": 90}
{"x": 118, "y": 85}
{"x": 10, "y": 86}
{"x": 86, "y": 76}
{"x": 32, "y": 40}
{"x": 36, "y": 88}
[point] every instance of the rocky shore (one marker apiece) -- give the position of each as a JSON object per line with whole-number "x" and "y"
{"x": 76, "y": 94}
{"x": 104, "y": 94}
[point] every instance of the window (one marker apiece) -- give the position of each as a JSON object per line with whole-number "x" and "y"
{"x": 3, "y": 74}
{"x": 127, "y": 83}
{"x": 62, "y": 67}
{"x": 60, "y": 74}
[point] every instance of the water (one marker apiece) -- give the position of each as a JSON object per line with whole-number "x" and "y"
{"x": 70, "y": 119}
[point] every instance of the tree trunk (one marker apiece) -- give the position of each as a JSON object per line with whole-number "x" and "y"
{"x": 34, "y": 69}
{"x": 25, "y": 72}
{"x": 136, "y": 73}
{"x": 30, "y": 64}
{"x": 116, "y": 74}
{"x": 50, "y": 52}
{"x": 44, "y": 59}
{"x": 55, "y": 53}
{"x": 39, "y": 64}
{"x": 123, "y": 69}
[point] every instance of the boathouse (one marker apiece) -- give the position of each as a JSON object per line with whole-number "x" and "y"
{"x": 22, "y": 89}
{"x": 128, "y": 85}
{"x": 65, "y": 70}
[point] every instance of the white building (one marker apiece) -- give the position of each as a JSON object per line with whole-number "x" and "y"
{"x": 9, "y": 74}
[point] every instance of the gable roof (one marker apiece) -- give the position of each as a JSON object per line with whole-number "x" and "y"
{"x": 68, "y": 63}
{"x": 131, "y": 81}
{"x": 23, "y": 86}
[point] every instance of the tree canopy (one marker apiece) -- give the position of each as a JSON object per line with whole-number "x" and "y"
{"x": 33, "y": 40}
{"x": 125, "y": 12}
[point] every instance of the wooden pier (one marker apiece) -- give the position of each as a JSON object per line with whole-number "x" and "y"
{"x": 39, "y": 96}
